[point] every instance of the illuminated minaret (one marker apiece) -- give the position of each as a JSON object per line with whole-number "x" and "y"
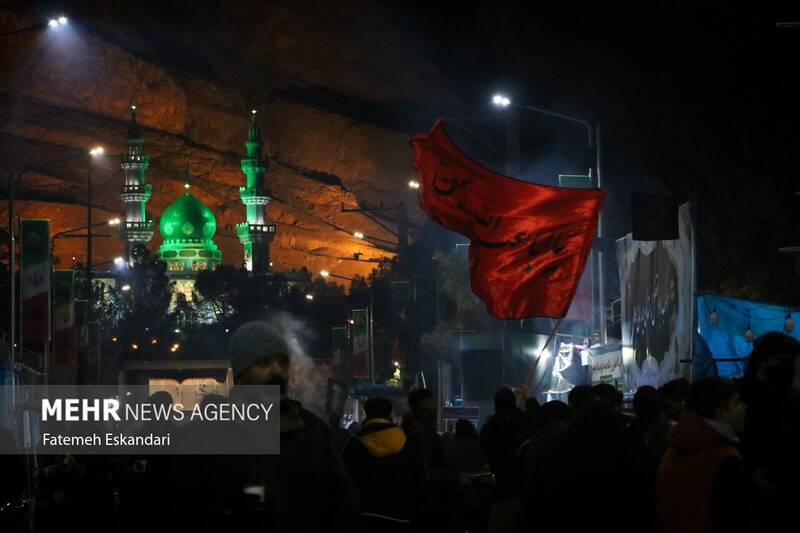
{"x": 136, "y": 230}
{"x": 255, "y": 234}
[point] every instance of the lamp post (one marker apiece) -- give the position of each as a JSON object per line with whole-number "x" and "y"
{"x": 594, "y": 141}
{"x": 69, "y": 233}
{"x": 55, "y": 22}
{"x": 13, "y": 182}
{"x": 94, "y": 152}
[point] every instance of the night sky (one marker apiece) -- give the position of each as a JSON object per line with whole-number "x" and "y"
{"x": 698, "y": 105}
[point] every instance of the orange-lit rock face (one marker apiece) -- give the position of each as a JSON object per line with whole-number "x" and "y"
{"x": 194, "y": 82}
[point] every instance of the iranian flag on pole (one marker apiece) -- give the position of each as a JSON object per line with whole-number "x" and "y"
{"x": 35, "y": 274}
{"x": 64, "y": 316}
{"x": 360, "y": 332}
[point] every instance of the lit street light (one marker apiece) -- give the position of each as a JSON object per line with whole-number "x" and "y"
{"x": 413, "y": 184}
{"x": 53, "y": 23}
{"x": 125, "y": 288}
{"x": 309, "y": 297}
{"x": 502, "y": 101}
{"x": 69, "y": 233}
{"x": 56, "y": 22}
{"x": 324, "y": 273}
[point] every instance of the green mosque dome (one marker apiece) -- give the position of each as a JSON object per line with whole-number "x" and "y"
{"x": 187, "y": 219}
{"x": 188, "y": 227}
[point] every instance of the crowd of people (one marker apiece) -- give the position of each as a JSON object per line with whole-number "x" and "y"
{"x": 709, "y": 456}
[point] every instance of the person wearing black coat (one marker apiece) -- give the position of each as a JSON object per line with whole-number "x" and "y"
{"x": 306, "y": 487}
{"x": 386, "y": 470}
{"x": 771, "y": 434}
{"x": 501, "y": 438}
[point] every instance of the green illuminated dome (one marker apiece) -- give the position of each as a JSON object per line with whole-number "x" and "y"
{"x": 187, "y": 219}
{"x": 188, "y": 227}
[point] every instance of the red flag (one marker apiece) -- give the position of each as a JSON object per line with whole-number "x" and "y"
{"x": 529, "y": 242}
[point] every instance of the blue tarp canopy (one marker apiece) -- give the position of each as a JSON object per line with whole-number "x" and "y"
{"x": 726, "y": 339}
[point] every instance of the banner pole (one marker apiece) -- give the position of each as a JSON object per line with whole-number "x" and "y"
{"x": 535, "y": 362}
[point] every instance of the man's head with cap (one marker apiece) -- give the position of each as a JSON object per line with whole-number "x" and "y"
{"x": 259, "y": 355}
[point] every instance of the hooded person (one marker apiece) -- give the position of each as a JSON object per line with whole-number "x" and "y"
{"x": 305, "y": 487}
{"x": 701, "y": 482}
{"x": 386, "y": 470}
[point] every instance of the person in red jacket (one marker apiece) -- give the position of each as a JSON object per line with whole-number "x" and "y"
{"x": 701, "y": 483}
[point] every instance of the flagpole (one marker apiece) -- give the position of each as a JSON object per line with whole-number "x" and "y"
{"x": 601, "y": 285}
{"x": 535, "y": 362}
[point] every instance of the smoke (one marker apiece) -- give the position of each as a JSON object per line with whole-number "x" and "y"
{"x": 307, "y": 379}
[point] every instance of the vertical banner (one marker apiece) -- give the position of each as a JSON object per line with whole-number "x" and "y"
{"x": 341, "y": 369}
{"x": 35, "y": 275}
{"x": 360, "y": 336}
{"x": 82, "y": 335}
{"x": 656, "y": 285}
{"x": 64, "y": 316}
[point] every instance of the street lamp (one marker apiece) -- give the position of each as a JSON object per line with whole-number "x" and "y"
{"x": 413, "y": 184}
{"x": 309, "y": 297}
{"x": 53, "y": 23}
{"x": 13, "y": 183}
{"x": 125, "y": 288}
{"x": 69, "y": 233}
{"x": 502, "y": 101}
{"x": 94, "y": 153}
{"x": 59, "y": 21}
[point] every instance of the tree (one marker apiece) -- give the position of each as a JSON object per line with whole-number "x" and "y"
{"x": 137, "y": 317}
{"x": 216, "y": 291}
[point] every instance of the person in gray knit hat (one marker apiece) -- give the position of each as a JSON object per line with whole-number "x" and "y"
{"x": 259, "y": 355}
{"x": 307, "y": 475}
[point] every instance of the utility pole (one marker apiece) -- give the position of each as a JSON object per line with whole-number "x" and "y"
{"x": 12, "y": 300}
{"x": 504, "y": 102}
{"x": 512, "y": 143}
